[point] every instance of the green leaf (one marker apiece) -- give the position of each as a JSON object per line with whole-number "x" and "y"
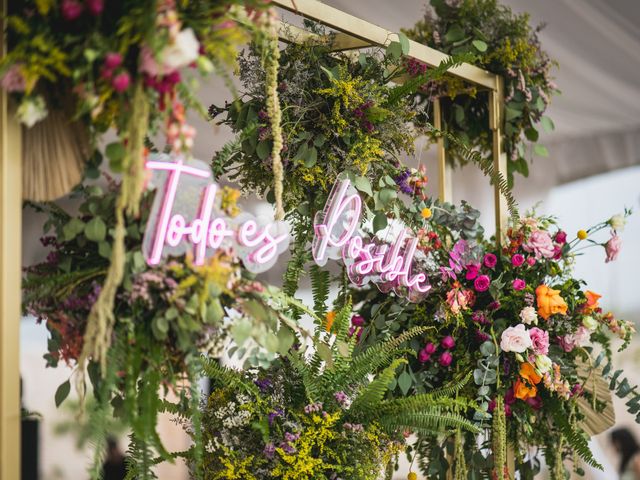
{"x": 379, "y": 221}
{"x": 404, "y": 43}
{"x": 115, "y": 153}
{"x": 302, "y": 152}
{"x": 541, "y": 150}
{"x": 285, "y": 340}
{"x": 363, "y": 184}
{"x": 386, "y": 195}
{"x": 404, "y": 382}
{"x": 511, "y": 113}
{"x": 454, "y": 34}
{"x": 72, "y": 229}
{"x": 104, "y": 249}
{"x": 532, "y": 134}
{"x": 62, "y": 392}
{"x": 547, "y": 124}
{"x": 311, "y": 157}
{"x": 264, "y": 149}
{"x": 319, "y": 140}
{"x": 214, "y": 312}
{"x": 95, "y": 230}
{"x": 459, "y": 114}
{"x": 480, "y": 45}
{"x": 394, "y": 50}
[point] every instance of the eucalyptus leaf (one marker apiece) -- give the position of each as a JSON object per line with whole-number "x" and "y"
{"x": 362, "y": 183}
{"x": 95, "y": 230}
{"x": 541, "y": 150}
{"x": 62, "y": 392}
{"x": 480, "y": 45}
{"x": 379, "y": 221}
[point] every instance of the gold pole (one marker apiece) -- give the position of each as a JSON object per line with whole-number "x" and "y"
{"x": 10, "y": 278}
{"x": 496, "y": 107}
{"x": 445, "y": 185}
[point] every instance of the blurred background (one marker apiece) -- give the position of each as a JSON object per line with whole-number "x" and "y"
{"x": 592, "y": 172}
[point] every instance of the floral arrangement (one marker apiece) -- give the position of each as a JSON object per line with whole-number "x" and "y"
{"x": 504, "y": 43}
{"x": 536, "y": 340}
{"x": 318, "y": 415}
{"x": 167, "y": 316}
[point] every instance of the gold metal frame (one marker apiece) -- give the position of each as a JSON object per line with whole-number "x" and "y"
{"x": 353, "y": 33}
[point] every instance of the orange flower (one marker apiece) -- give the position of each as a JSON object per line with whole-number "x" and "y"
{"x": 592, "y": 300}
{"x": 529, "y": 373}
{"x": 329, "y": 319}
{"x": 524, "y": 391}
{"x": 550, "y": 302}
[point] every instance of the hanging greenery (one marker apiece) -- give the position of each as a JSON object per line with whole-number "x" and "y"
{"x": 505, "y": 44}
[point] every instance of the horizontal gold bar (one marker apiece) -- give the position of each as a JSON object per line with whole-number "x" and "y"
{"x": 371, "y": 34}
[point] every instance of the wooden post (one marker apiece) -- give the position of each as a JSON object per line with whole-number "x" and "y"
{"x": 10, "y": 278}
{"x": 496, "y": 108}
{"x": 445, "y": 183}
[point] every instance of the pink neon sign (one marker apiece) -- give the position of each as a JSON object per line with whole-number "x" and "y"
{"x": 388, "y": 265}
{"x": 185, "y": 217}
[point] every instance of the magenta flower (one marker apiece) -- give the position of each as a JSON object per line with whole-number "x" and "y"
{"x": 517, "y": 260}
{"x": 472, "y": 271}
{"x": 121, "y": 82}
{"x": 430, "y": 348}
{"x": 448, "y": 342}
{"x": 481, "y": 284}
{"x": 531, "y": 261}
{"x": 490, "y": 260}
{"x": 561, "y": 237}
{"x": 519, "y": 284}
{"x": 423, "y": 357}
{"x": 95, "y": 7}
{"x": 535, "y": 402}
{"x": 612, "y": 247}
{"x": 445, "y": 359}
{"x": 112, "y": 60}
{"x": 71, "y": 9}
{"x": 357, "y": 321}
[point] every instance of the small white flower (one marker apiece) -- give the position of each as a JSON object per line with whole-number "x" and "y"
{"x": 32, "y": 110}
{"x": 543, "y": 363}
{"x": 617, "y": 222}
{"x": 529, "y": 316}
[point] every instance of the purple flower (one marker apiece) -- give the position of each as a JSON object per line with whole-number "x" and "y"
{"x": 490, "y": 260}
{"x": 482, "y": 336}
{"x": 401, "y": 181}
{"x": 448, "y": 342}
{"x": 313, "y": 407}
{"x": 535, "y": 402}
{"x": 275, "y": 414}
{"x": 269, "y": 450}
{"x": 479, "y": 317}
{"x": 264, "y": 384}
{"x": 341, "y": 398}
{"x": 357, "y": 321}
{"x": 481, "y": 284}
{"x": 519, "y": 284}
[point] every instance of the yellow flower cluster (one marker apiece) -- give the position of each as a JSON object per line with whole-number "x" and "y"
{"x": 229, "y": 201}
{"x": 236, "y": 467}
{"x": 364, "y": 151}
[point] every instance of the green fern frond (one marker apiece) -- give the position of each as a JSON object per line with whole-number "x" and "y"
{"x": 428, "y": 421}
{"x": 299, "y": 257}
{"x": 320, "y": 280}
{"x": 574, "y": 437}
{"x": 223, "y": 158}
{"x": 412, "y": 85}
{"x": 486, "y": 165}
{"x": 372, "y": 394}
{"x": 212, "y": 369}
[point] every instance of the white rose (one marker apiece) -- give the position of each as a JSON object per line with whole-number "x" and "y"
{"x": 32, "y": 110}
{"x": 617, "y": 222}
{"x": 543, "y": 363}
{"x": 590, "y": 322}
{"x": 183, "y": 51}
{"x": 528, "y": 316}
{"x": 515, "y": 339}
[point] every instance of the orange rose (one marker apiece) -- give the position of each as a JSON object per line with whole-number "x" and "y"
{"x": 592, "y": 300}
{"x": 550, "y": 302}
{"x": 529, "y": 373}
{"x": 524, "y": 391}
{"x": 330, "y": 318}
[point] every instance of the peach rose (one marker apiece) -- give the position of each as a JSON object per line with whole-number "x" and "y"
{"x": 592, "y": 300}
{"x": 550, "y": 302}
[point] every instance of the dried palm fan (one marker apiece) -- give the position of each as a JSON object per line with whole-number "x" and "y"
{"x": 54, "y": 152}
{"x": 596, "y": 422}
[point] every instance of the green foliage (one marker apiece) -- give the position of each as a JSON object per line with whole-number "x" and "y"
{"x": 320, "y": 281}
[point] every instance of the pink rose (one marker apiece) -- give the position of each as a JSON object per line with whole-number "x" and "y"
{"x": 573, "y": 340}
{"x": 445, "y": 359}
{"x": 612, "y": 247}
{"x": 448, "y": 342}
{"x": 531, "y": 261}
{"x": 515, "y": 339}
{"x": 539, "y": 341}
{"x": 490, "y": 260}
{"x": 472, "y": 271}
{"x": 519, "y": 284}
{"x": 112, "y": 60}
{"x": 540, "y": 244}
{"x": 561, "y": 237}
{"x": 481, "y": 284}
{"x": 13, "y": 80}
{"x": 517, "y": 260}
{"x": 121, "y": 82}
{"x": 423, "y": 357}
{"x": 95, "y": 7}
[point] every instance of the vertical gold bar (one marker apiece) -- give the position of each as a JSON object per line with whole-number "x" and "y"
{"x": 445, "y": 185}
{"x": 10, "y": 278}
{"x": 496, "y": 107}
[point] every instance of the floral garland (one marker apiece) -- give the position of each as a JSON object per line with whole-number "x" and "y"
{"x": 503, "y": 43}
